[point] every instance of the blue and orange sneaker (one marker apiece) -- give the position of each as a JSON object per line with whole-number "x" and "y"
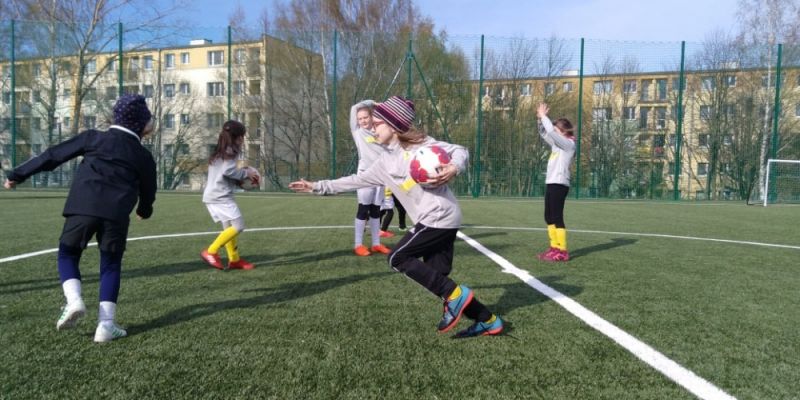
{"x": 482, "y": 329}
{"x": 454, "y": 308}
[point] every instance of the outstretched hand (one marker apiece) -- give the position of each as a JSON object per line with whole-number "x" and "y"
{"x": 302, "y": 186}
{"x": 542, "y": 110}
{"x": 9, "y": 184}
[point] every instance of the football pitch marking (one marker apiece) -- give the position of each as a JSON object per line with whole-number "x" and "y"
{"x": 672, "y": 370}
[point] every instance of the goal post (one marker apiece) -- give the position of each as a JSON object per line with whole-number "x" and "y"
{"x": 782, "y": 183}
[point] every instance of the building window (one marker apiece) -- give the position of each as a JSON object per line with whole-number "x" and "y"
{"x": 629, "y": 113}
{"x": 66, "y": 122}
{"x": 89, "y": 121}
{"x": 629, "y": 86}
{"x": 702, "y": 169}
{"x": 239, "y": 88}
{"x": 567, "y": 87}
{"x": 90, "y": 94}
{"x": 601, "y": 114}
{"x": 708, "y": 83}
{"x": 729, "y": 80}
{"x": 661, "y": 117}
{"x": 645, "y": 90}
{"x": 169, "y": 121}
{"x": 184, "y": 58}
{"x": 36, "y": 96}
{"x": 111, "y": 93}
{"x": 169, "y": 90}
{"x": 91, "y": 66}
{"x": 148, "y": 62}
{"x": 603, "y": 87}
{"x": 7, "y": 97}
{"x": 111, "y": 67}
{"x": 185, "y": 119}
{"x": 169, "y": 61}
{"x": 255, "y": 88}
{"x": 134, "y": 63}
{"x": 549, "y": 88}
{"x": 702, "y": 140}
{"x": 644, "y": 115}
{"x": 525, "y": 89}
{"x": 67, "y": 93}
{"x": 37, "y": 70}
{"x": 797, "y": 111}
{"x": 661, "y": 87}
{"x": 132, "y": 89}
{"x": 148, "y": 91}
{"x": 37, "y": 123}
{"x": 676, "y": 83}
{"x": 215, "y": 58}
{"x": 240, "y": 56}
{"x": 706, "y": 113}
{"x": 215, "y": 89}
{"x": 183, "y": 88}
{"x": 215, "y": 120}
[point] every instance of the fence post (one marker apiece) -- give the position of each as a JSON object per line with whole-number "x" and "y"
{"x": 13, "y": 98}
{"x": 119, "y": 60}
{"x": 408, "y": 60}
{"x": 777, "y": 109}
{"x": 580, "y": 128}
{"x": 776, "y": 114}
{"x": 230, "y": 64}
{"x": 476, "y": 175}
{"x": 676, "y": 193}
{"x": 333, "y": 107}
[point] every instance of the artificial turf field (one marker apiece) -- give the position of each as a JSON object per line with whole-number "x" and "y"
{"x": 711, "y": 287}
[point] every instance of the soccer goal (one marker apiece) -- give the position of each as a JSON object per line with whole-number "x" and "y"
{"x": 783, "y": 182}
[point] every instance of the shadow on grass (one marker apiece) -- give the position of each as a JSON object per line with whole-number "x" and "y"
{"x": 128, "y": 273}
{"x": 284, "y": 293}
{"x": 615, "y": 242}
{"x": 519, "y": 294}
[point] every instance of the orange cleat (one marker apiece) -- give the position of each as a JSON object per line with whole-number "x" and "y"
{"x": 386, "y": 234}
{"x": 211, "y": 259}
{"x": 241, "y": 264}
{"x": 361, "y": 251}
{"x": 379, "y": 248}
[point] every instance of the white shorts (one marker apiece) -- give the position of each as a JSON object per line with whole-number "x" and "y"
{"x": 388, "y": 203}
{"x": 371, "y": 195}
{"x": 221, "y": 212}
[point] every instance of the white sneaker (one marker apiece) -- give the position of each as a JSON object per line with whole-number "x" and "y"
{"x": 107, "y": 332}
{"x": 70, "y": 314}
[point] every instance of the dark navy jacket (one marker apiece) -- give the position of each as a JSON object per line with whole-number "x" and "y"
{"x": 116, "y": 171}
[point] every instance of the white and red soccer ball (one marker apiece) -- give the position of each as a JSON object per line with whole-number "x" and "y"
{"x": 427, "y": 162}
{"x": 251, "y": 183}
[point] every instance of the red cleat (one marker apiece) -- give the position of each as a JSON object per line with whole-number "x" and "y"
{"x": 361, "y": 251}
{"x": 386, "y": 234}
{"x": 379, "y": 248}
{"x": 241, "y": 264}
{"x": 211, "y": 259}
{"x": 548, "y": 254}
{"x": 560, "y": 255}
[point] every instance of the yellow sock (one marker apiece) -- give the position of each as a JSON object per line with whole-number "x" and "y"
{"x": 224, "y": 237}
{"x": 491, "y": 320}
{"x": 455, "y": 294}
{"x": 232, "y": 248}
{"x": 561, "y": 237}
{"x": 551, "y": 233}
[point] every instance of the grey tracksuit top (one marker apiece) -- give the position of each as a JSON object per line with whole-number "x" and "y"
{"x": 562, "y": 150}
{"x": 368, "y": 149}
{"x": 222, "y": 178}
{"x": 432, "y": 207}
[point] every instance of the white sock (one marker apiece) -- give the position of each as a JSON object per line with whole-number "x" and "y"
{"x": 72, "y": 290}
{"x": 108, "y": 310}
{"x": 375, "y": 230}
{"x": 360, "y": 225}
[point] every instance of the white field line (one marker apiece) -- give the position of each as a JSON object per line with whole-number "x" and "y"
{"x": 672, "y": 370}
{"x": 288, "y": 228}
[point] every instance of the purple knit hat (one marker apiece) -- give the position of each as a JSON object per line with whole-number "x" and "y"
{"x": 131, "y": 112}
{"x": 398, "y": 112}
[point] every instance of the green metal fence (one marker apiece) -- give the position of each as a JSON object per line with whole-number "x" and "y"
{"x": 654, "y": 120}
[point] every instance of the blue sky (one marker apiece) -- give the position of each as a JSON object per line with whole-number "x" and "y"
{"x": 630, "y": 20}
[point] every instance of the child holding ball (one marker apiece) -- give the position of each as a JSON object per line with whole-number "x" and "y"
{"x": 434, "y": 209}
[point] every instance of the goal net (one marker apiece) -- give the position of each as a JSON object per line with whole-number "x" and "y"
{"x": 782, "y": 183}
